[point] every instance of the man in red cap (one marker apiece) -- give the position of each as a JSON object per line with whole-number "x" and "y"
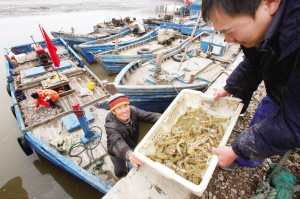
{"x": 122, "y": 129}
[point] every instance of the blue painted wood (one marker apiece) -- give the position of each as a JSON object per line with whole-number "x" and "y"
{"x": 208, "y": 43}
{"x": 63, "y": 65}
{"x": 66, "y": 164}
{"x": 16, "y": 107}
{"x": 189, "y": 30}
{"x": 35, "y": 71}
{"x": 152, "y": 97}
{"x": 76, "y": 39}
{"x": 87, "y": 50}
{"x": 73, "y": 54}
{"x": 71, "y": 122}
{"x": 195, "y": 8}
{"x": 8, "y": 73}
{"x": 11, "y": 65}
{"x": 42, "y": 148}
{"x": 113, "y": 64}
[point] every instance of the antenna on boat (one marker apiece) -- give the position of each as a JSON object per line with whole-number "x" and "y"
{"x": 174, "y": 7}
{"x": 33, "y": 40}
{"x": 166, "y": 9}
{"x": 211, "y": 42}
{"x": 191, "y": 38}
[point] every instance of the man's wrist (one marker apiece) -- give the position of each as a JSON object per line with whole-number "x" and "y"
{"x": 128, "y": 154}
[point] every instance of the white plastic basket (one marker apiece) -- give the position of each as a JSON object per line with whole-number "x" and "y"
{"x": 225, "y": 107}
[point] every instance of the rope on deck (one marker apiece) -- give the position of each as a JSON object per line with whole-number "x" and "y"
{"x": 282, "y": 180}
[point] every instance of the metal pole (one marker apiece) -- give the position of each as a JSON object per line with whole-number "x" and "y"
{"x": 33, "y": 40}
{"x": 190, "y": 40}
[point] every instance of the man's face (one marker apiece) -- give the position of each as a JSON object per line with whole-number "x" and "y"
{"x": 122, "y": 112}
{"x": 243, "y": 29}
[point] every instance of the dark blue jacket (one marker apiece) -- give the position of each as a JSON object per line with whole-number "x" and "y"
{"x": 277, "y": 63}
{"x": 122, "y": 137}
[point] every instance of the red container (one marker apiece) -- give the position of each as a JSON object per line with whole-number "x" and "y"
{"x": 76, "y": 108}
{"x": 44, "y": 103}
{"x": 39, "y": 50}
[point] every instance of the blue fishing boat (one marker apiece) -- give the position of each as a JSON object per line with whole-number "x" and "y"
{"x": 76, "y": 39}
{"x": 186, "y": 25}
{"x": 100, "y": 31}
{"x": 177, "y": 25}
{"x": 60, "y": 134}
{"x": 205, "y": 27}
{"x": 189, "y": 9}
{"x": 165, "y": 42}
{"x": 153, "y": 86}
{"x": 89, "y": 49}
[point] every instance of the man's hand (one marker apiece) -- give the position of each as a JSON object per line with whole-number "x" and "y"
{"x": 226, "y": 155}
{"x": 220, "y": 93}
{"x": 134, "y": 160}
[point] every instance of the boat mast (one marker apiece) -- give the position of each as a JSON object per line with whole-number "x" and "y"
{"x": 190, "y": 40}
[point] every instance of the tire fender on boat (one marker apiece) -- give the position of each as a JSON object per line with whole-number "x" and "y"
{"x": 25, "y": 145}
{"x": 12, "y": 108}
{"x": 114, "y": 32}
{"x": 8, "y": 89}
{"x": 178, "y": 57}
{"x": 142, "y": 51}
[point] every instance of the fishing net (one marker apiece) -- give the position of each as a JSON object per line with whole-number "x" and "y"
{"x": 284, "y": 181}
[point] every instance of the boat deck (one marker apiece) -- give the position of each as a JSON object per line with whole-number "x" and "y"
{"x": 154, "y": 46}
{"x": 126, "y": 38}
{"x": 47, "y": 124}
{"x": 78, "y": 86}
{"x": 87, "y": 159}
{"x": 33, "y": 61}
{"x": 203, "y": 68}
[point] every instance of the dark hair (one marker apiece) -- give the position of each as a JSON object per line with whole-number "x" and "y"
{"x": 34, "y": 95}
{"x": 231, "y": 8}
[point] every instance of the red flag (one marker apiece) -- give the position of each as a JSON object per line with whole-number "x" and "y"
{"x": 51, "y": 48}
{"x": 188, "y": 2}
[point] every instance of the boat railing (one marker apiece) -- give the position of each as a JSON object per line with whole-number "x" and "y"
{"x": 131, "y": 67}
{"x": 120, "y": 78}
{"x": 177, "y": 49}
{"x": 127, "y": 47}
{"x": 95, "y": 42}
{"x": 73, "y": 54}
{"x": 81, "y": 62}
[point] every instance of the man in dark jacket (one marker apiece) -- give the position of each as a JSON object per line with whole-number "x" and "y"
{"x": 269, "y": 34}
{"x": 122, "y": 129}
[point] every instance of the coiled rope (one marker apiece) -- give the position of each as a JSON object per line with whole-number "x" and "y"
{"x": 284, "y": 187}
{"x": 88, "y": 147}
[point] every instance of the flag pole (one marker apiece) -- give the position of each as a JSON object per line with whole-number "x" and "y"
{"x": 55, "y": 59}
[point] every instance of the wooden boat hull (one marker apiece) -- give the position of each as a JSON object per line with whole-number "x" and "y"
{"x": 113, "y": 63}
{"x": 76, "y": 39}
{"x": 155, "y": 94}
{"x": 174, "y": 25}
{"x": 35, "y": 143}
{"x": 87, "y": 50}
{"x": 150, "y": 97}
{"x": 155, "y": 98}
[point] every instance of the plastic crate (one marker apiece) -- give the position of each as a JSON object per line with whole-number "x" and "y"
{"x": 225, "y": 107}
